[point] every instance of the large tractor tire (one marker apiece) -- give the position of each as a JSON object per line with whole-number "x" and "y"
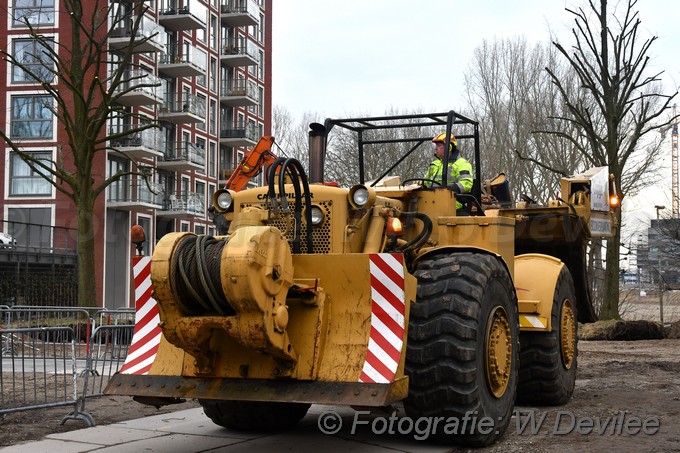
{"x": 254, "y": 415}
{"x": 548, "y": 359}
{"x": 462, "y": 356}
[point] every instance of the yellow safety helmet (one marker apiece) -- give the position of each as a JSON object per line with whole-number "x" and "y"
{"x": 441, "y": 138}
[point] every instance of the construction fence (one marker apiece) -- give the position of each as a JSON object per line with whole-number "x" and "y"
{"x": 60, "y": 356}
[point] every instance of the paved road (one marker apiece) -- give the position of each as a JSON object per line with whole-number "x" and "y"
{"x": 191, "y": 431}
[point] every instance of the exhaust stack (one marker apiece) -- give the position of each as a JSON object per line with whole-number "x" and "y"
{"x": 317, "y": 152}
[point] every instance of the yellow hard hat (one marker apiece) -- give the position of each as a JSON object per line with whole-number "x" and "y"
{"x": 441, "y": 138}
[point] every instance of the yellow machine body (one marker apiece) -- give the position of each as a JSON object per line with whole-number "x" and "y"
{"x": 535, "y": 281}
{"x": 307, "y": 297}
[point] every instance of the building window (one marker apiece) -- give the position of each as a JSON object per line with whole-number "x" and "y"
{"x": 31, "y": 225}
{"x": 200, "y": 145}
{"x": 213, "y": 117}
{"x": 212, "y": 155}
{"x": 260, "y": 29}
{"x": 32, "y": 12}
{"x": 119, "y": 190}
{"x": 25, "y": 181}
{"x": 145, "y": 223}
{"x": 213, "y": 32}
{"x": 260, "y": 66}
{"x": 260, "y": 101}
{"x": 34, "y": 64}
{"x": 201, "y": 60}
{"x": 31, "y": 117}
{"x": 201, "y": 101}
{"x": 213, "y": 75}
{"x": 200, "y": 194}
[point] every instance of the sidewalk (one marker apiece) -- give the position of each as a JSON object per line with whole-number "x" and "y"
{"x": 192, "y": 431}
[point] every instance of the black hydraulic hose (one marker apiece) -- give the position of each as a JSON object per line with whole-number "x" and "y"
{"x": 298, "y": 174}
{"x": 467, "y": 196}
{"x": 272, "y": 185}
{"x": 297, "y": 210}
{"x": 424, "y": 234}
{"x": 568, "y": 204}
{"x": 282, "y": 164}
{"x": 308, "y": 203}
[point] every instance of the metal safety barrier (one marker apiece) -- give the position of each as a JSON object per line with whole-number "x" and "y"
{"x": 60, "y": 356}
{"x": 38, "y": 368}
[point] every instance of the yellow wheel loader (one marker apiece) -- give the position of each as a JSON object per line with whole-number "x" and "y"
{"x": 372, "y": 294}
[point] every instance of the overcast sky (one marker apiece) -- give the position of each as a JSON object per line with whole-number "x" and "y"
{"x": 365, "y": 56}
{"x": 362, "y": 57}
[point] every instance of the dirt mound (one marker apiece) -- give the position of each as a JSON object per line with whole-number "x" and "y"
{"x": 622, "y": 330}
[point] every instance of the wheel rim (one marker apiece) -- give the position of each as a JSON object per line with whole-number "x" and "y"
{"x": 498, "y": 352}
{"x": 568, "y": 334}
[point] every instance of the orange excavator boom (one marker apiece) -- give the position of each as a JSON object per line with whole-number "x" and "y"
{"x": 252, "y": 163}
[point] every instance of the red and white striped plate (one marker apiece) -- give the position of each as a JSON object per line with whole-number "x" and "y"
{"x": 147, "y": 333}
{"x": 387, "y": 318}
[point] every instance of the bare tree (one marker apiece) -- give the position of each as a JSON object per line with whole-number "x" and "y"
{"x": 292, "y": 136}
{"x": 510, "y": 94}
{"x": 341, "y": 162}
{"x": 342, "y": 156}
{"x": 619, "y": 103}
{"x": 82, "y": 82}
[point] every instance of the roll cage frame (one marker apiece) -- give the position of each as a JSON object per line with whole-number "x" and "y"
{"x": 465, "y": 129}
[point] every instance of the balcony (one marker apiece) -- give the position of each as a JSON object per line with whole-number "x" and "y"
{"x": 144, "y": 144}
{"x": 239, "y": 92}
{"x": 183, "y": 15}
{"x": 145, "y": 38}
{"x": 181, "y": 63}
{"x": 184, "y": 204}
{"x": 242, "y": 54}
{"x": 238, "y": 134}
{"x": 36, "y": 244}
{"x": 132, "y": 195}
{"x": 187, "y": 109}
{"x": 239, "y": 13}
{"x": 185, "y": 157}
{"x": 139, "y": 88}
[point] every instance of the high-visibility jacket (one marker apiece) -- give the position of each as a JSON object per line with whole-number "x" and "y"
{"x": 459, "y": 177}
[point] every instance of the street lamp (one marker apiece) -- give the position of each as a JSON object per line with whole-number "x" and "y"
{"x": 658, "y": 256}
{"x": 659, "y": 208}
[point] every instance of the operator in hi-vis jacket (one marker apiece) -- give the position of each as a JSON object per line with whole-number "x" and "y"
{"x": 459, "y": 178}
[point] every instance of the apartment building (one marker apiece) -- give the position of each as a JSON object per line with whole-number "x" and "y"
{"x": 211, "y": 62}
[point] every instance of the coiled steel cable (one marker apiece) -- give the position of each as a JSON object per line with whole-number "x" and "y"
{"x": 196, "y": 276}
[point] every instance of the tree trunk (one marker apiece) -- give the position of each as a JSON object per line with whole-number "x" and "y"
{"x": 87, "y": 280}
{"x": 610, "y": 306}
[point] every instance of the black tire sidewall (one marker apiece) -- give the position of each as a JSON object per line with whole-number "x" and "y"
{"x": 565, "y": 291}
{"x": 446, "y": 353}
{"x": 497, "y": 294}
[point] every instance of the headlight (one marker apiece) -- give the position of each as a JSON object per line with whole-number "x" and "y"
{"x": 317, "y": 216}
{"x": 361, "y": 196}
{"x": 223, "y": 200}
